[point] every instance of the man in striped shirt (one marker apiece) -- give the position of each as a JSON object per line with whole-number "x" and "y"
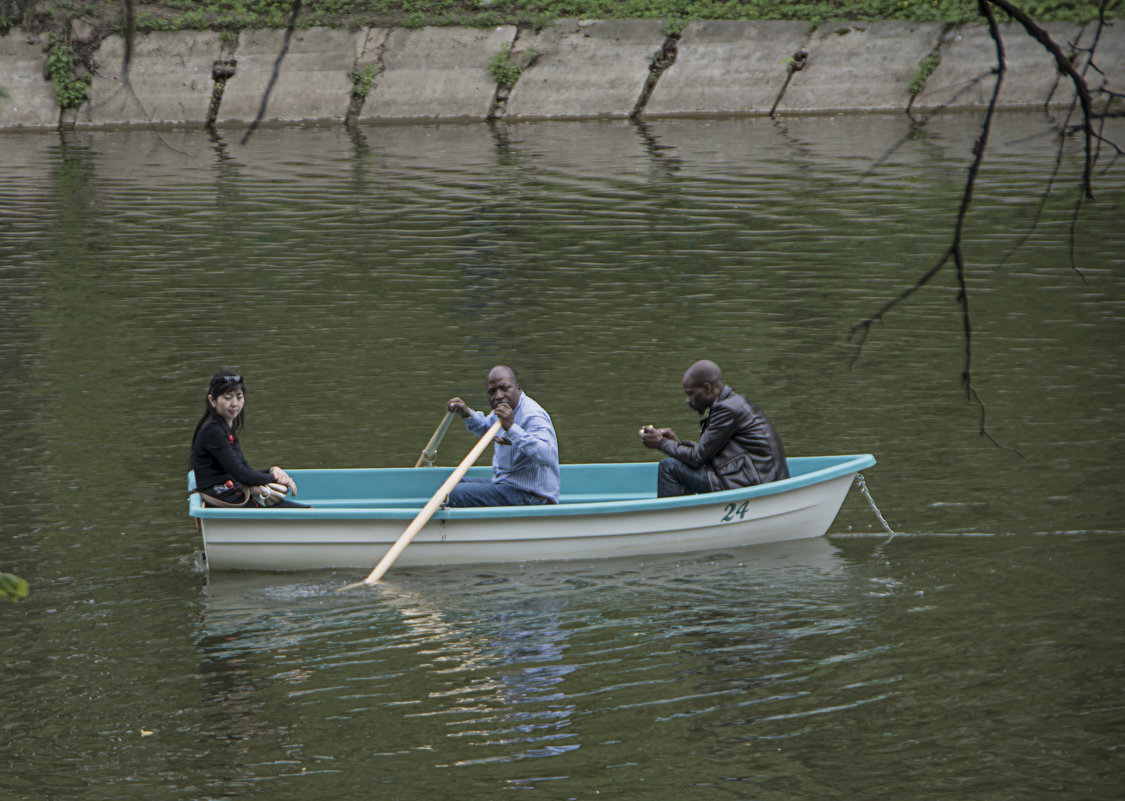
{"x": 525, "y": 456}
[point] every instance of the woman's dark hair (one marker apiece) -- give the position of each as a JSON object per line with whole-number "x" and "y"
{"x": 222, "y": 381}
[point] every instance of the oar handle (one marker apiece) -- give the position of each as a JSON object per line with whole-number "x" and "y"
{"x": 430, "y": 451}
{"x": 428, "y": 510}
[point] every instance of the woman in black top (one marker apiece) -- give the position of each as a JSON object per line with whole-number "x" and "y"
{"x": 221, "y": 471}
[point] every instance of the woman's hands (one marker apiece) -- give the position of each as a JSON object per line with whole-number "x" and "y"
{"x": 281, "y": 477}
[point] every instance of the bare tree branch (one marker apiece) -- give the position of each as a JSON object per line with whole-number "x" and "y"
{"x": 1065, "y": 67}
{"x": 1094, "y": 140}
{"x": 1065, "y": 129}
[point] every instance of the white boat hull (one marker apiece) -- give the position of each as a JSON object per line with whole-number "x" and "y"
{"x": 352, "y": 537}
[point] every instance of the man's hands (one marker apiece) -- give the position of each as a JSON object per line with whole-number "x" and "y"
{"x": 459, "y": 406}
{"x": 504, "y": 413}
{"x": 654, "y": 437}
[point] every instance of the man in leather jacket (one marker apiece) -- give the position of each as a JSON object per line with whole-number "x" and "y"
{"x": 737, "y": 447}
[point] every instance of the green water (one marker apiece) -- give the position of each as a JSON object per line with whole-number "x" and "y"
{"x": 359, "y": 279}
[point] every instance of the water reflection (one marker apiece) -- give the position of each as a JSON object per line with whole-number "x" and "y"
{"x": 516, "y": 704}
{"x": 235, "y": 691}
{"x": 490, "y": 681}
{"x": 501, "y": 665}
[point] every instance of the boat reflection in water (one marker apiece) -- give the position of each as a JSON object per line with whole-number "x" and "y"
{"x": 492, "y": 664}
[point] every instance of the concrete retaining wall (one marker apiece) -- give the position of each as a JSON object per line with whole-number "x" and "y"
{"x": 860, "y": 66}
{"x": 728, "y": 68}
{"x": 31, "y": 100}
{"x": 433, "y": 73}
{"x": 289, "y": 77}
{"x": 584, "y": 68}
{"x": 160, "y": 86}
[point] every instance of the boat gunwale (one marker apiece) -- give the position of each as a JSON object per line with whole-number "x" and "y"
{"x": 848, "y": 464}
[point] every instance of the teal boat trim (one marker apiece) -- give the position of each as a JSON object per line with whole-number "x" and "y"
{"x": 587, "y": 489}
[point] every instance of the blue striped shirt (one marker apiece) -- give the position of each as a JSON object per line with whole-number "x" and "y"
{"x": 531, "y": 461}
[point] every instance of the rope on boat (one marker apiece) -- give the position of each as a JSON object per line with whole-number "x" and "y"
{"x": 859, "y": 482}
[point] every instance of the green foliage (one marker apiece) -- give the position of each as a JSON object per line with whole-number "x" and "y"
{"x": 62, "y": 71}
{"x": 195, "y": 20}
{"x": 673, "y": 26}
{"x": 147, "y": 21}
{"x": 362, "y": 78}
{"x": 506, "y": 69}
{"x": 488, "y": 19}
{"x": 925, "y": 69}
{"x": 536, "y": 14}
{"x": 12, "y": 587}
{"x": 806, "y": 10}
{"x": 6, "y": 23}
{"x": 1066, "y": 9}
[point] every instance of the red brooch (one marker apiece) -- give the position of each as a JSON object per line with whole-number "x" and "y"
{"x": 231, "y": 438}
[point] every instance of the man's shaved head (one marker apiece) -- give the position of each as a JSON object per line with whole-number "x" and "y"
{"x": 703, "y": 383}
{"x": 703, "y": 372}
{"x": 501, "y": 371}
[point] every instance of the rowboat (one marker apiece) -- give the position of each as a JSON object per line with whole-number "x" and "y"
{"x": 605, "y": 510}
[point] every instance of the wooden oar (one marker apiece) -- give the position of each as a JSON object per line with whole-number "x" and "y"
{"x": 430, "y": 451}
{"x": 427, "y": 511}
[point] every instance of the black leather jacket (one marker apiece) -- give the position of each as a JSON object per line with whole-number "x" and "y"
{"x": 737, "y": 444}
